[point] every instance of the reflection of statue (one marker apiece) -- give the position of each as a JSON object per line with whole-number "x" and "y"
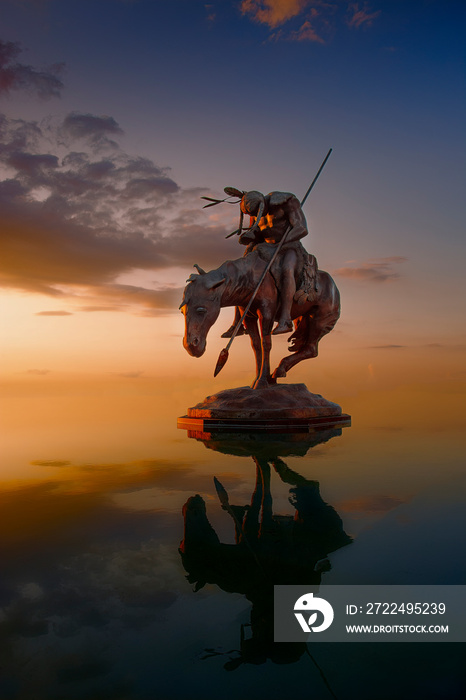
{"x": 270, "y": 549}
{"x": 271, "y": 218}
{"x": 266, "y": 445}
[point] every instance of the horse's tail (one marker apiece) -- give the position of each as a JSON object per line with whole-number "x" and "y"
{"x": 298, "y": 340}
{"x": 319, "y": 316}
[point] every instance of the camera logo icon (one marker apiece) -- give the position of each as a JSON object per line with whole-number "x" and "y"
{"x": 310, "y": 604}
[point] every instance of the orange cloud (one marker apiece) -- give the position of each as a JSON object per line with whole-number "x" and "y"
{"x": 273, "y": 12}
{"x": 50, "y": 463}
{"x": 91, "y": 309}
{"x": 386, "y": 347}
{"x": 54, "y": 313}
{"x": 371, "y": 504}
{"x": 101, "y": 479}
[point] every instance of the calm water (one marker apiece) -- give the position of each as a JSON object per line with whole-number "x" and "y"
{"x": 96, "y": 600}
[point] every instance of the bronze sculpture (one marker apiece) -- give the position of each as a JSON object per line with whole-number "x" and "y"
{"x": 276, "y": 280}
{"x": 264, "y": 287}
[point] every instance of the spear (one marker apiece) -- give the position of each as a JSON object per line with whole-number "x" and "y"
{"x": 223, "y": 357}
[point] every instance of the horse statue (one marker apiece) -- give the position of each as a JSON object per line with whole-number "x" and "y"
{"x": 232, "y": 284}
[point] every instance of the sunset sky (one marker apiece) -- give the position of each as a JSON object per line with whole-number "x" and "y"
{"x": 116, "y": 116}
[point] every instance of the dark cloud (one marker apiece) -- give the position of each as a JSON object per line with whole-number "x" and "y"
{"x": 147, "y": 187}
{"x": 83, "y": 218}
{"x": 154, "y": 300}
{"x": 386, "y": 347}
{"x": 18, "y": 136}
{"x": 380, "y": 270}
{"x": 194, "y": 243}
{"x": 29, "y": 164}
{"x": 18, "y": 76}
{"x": 92, "y": 128}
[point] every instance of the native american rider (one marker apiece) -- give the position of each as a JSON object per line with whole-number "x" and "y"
{"x": 271, "y": 216}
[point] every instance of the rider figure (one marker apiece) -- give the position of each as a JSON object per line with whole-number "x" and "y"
{"x": 270, "y": 218}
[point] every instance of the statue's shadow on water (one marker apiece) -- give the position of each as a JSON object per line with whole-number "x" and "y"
{"x": 269, "y": 549}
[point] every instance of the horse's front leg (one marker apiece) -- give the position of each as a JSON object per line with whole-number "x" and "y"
{"x": 264, "y": 379}
{"x": 266, "y": 520}
{"x": 253, "y": 332}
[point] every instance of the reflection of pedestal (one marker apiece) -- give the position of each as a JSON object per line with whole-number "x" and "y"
{"x": 280, "y": 407}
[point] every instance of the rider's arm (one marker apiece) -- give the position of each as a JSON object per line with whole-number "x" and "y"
{"x": 251, "y": 236}
{"x": 293, "y": 212}
{"x": 296, "y": 218}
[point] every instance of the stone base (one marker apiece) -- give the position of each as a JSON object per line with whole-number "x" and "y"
{"x": 284, "y": 419}
{"x": 279, "y": 402}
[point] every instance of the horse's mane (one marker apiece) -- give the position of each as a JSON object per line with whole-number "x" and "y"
{"x": 232, "y": 270}
{"x": 239, "y": 264}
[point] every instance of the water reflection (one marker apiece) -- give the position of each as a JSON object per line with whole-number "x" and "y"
{"x": 94, "y": 602}
{"x": 265, "y": 444}
{"x": 270, "y": 549}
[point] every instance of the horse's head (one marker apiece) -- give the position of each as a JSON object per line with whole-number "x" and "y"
{"x": 198, "y": 532}
{"x": 201, "y": 307}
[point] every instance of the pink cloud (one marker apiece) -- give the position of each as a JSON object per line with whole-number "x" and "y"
{"x": 378, "y": 270}
{"x": 361, "y": 17}
{"x": 306, "y": 33}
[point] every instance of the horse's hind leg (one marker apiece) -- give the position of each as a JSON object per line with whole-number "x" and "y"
{"x": 291, "y": 360}
{"x": 319, "y": 325}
